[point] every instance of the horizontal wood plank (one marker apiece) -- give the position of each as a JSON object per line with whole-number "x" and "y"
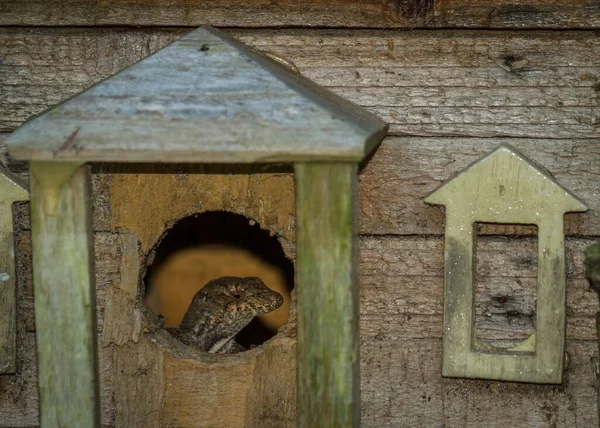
{"x": 393, "y": 184}
{"x": 448, "y": 83}
{"x": 321, "y": 13}
{"x": 404, "y": 170}
{"x": 250, "y": 109}
{"x": 402, "y": 387}
{"x": 402, "y": 286}
{"x": 402, "y": 289}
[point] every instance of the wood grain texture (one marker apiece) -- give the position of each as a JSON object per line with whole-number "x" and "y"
{"x": 401, "y": 276}
{"x": 404, "y": 171}
{"x": 11, "y": 190}
{"x": 138, "y": 384}
{"x": 122, "y": 315}
{"x": 271, "y": 399}
{"x": 448, "y": 83}
{"x": 328, "y": 370}
{"x": 163, "y": 190}
{"x": 401, "y": 349}
{"x": 206, "y": 98}
{"x": 65, "y": 303}
{"x": 19, "y": 398}
{"x": 402, "y": 387}
{"x": 313, "y": 13}
{"x": 402, "y": 283}
{"x": 393, "y": 184}
{"x": 504, "y": 187}
{"x": 402, "y": 289}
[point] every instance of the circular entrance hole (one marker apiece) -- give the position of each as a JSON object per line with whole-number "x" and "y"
{"x": 211, "y": 245}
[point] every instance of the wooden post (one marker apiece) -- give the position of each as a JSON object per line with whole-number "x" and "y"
{"x": 11, "y": 190}
{"x": 592, "y": 273}
{"x": 328, "y": 362}
{"x": 65, "y": 303}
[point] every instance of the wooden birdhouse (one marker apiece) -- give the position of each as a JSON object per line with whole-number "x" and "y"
{"x": 205, "y": 99}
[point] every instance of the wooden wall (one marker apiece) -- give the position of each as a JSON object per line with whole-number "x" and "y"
{"x": 454, "y": 79}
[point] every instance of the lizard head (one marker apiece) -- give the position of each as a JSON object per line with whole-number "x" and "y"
{"x": 249, "y": 296}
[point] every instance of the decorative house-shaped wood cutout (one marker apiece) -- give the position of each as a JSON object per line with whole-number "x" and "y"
{"x": 504, "y": 187}
{"x": 206, "y": 98}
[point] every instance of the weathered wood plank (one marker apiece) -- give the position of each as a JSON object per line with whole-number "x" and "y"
{"x": 107, "y": 272}
{"x": 401, "y": 318}
{"x": 138, "y": 384}
{"x": 404, "y": 171}
{"x": 402, "y": 387}
{"x": 402, "y": 282}
{"x": 65, "y": 304}
{"x": 19, "y": 398}
{"x": 271, "y": 399}
{"x": 11, "y": 190}
{"x": 392, "y": 188}
{"x": 320, "y": 13}
{"x": 402, "y": 289}
{"x": 250, "y": 108}
{"x": 328, "y": 364}
{"x": 449, "y": 83}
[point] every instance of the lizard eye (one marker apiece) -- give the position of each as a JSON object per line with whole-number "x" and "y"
{"x": 237, "y": 296}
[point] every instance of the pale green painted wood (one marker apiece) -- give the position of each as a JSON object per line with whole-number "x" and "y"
{"x": 504, "y": 187}
{"x": 592, "y": 273}
{"x": 11, "y": 190}
{"x": 65, "y": 303}
{"x": 328, "y": 375}
{"x": 205, "y": 98}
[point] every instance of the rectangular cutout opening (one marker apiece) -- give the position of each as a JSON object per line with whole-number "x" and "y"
{"x": 505, "y": 275}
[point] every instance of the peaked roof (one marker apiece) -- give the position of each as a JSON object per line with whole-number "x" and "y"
{"x": 502, "y": 185}
{"x": 205, "y": 98}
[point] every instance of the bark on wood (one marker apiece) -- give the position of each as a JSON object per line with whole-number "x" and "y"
{"x": 314, "y": 13}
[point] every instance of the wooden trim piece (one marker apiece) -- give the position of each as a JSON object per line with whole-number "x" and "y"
{"x": 11, "y": 190}
{"x": 328, "y": 295}
{"x": 309, "y": 13}
{"x": 64, "y": 291}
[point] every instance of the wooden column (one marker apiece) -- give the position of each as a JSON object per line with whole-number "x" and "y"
{"x": 328, "y": 295}
{"x": 65, "y": 302}
{"x": 11, "y": 190}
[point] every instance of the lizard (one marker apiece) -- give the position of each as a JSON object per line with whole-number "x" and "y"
{"x": 222, "y": 308}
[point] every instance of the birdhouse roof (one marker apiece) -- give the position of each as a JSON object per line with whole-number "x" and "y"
{"x": 205, "y": 98}
{"x": 504, "y": 184}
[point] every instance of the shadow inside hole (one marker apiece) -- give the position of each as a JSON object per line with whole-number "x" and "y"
{"x": 210, "y": 245}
